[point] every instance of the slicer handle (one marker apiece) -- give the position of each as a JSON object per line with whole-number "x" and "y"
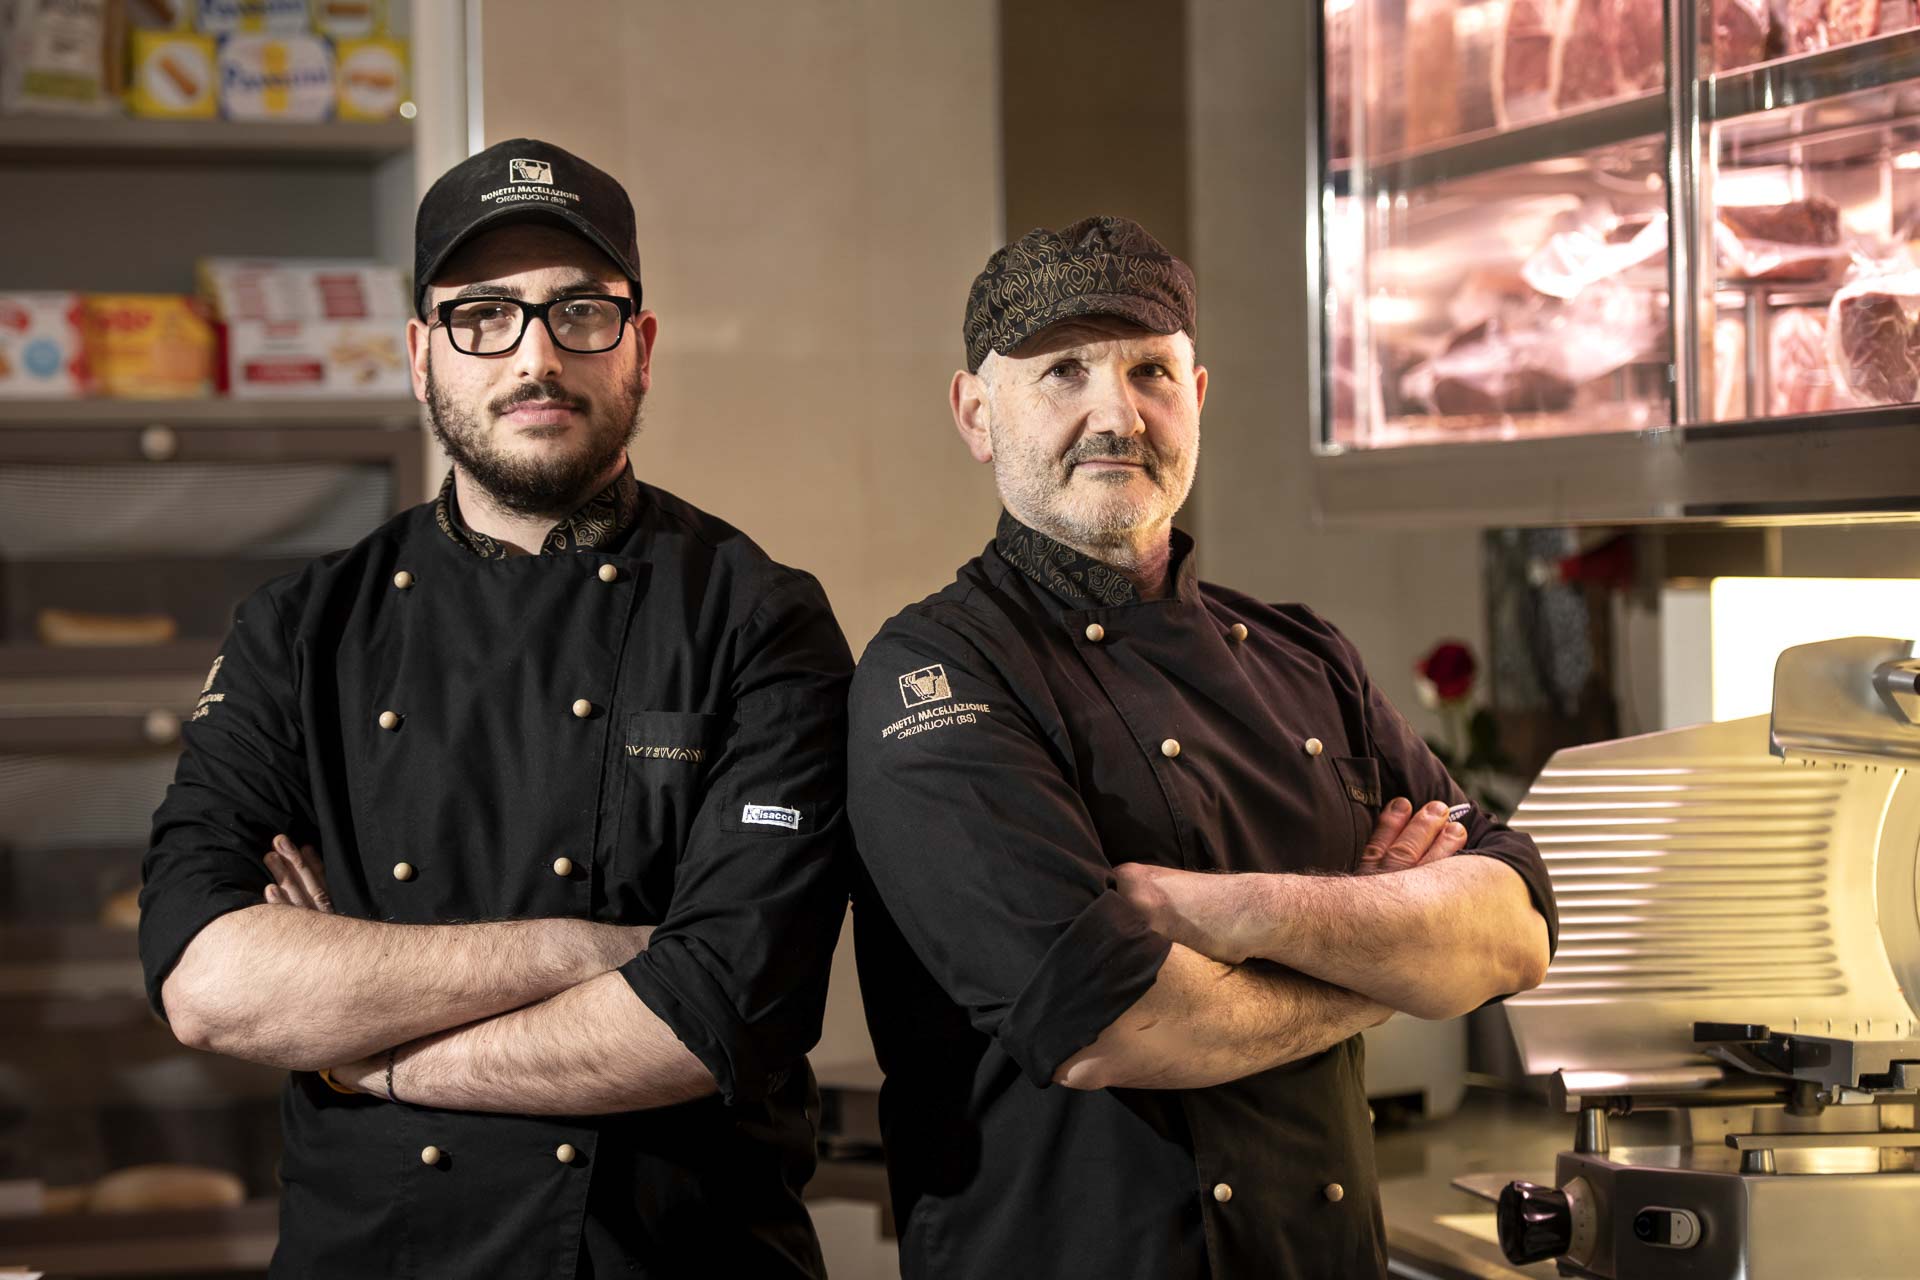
{"x": 1535, "y": 1222}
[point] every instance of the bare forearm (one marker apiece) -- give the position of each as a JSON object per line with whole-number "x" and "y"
{"x": 1204, "y": 1023}
{"x": 304, "y": 989}
{"x": 1435, "y": 941}
{"x": 593, "y": 1049}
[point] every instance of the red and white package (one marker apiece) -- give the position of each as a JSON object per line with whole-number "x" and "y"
{"x": 269, "y": 359}
{"x": 274, "y": 289}
{"x": 43, "y": 351}
{"x": 1871, "y": 337}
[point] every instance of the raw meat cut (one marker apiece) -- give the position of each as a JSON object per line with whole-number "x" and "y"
{"x": 1639, "y": 46}
{"x": 1876, "y": 348}
{"x": 1739, "y": 33}
{"x": 1525, "y": 62}
{"x": 1815, "y": 220}
{"x": 1433, "y": 72}
{"x": 1806, "y": 26}
{"x": 1587, "y": 54}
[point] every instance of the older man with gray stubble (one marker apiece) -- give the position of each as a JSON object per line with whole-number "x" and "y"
{"x": 1124, "y": 917}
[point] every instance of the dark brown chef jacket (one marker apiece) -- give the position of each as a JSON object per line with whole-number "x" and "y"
{"x": 1011, "y": 739}
{"x": 700, "y": 792}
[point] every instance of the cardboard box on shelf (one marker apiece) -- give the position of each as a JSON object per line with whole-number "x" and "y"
{"x": 302, "y": 289}
{"x": 61, "y": 57}
{"x": 266, "y": 77}
{"x": 232, "y": 17}
{"x": 173, "y": 76}
{"x": 273, "y": 359}
{"x": 372, "y": 79}
{"x": 43, "y": 349}
{"x": 149, "y": 345}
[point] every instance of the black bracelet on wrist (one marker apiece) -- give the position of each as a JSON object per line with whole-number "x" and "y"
{"x": 390, "y": 1096}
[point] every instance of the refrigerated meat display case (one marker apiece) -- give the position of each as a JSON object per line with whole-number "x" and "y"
{"x": 1611, "y": 261}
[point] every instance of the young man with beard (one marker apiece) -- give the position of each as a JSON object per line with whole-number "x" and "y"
{"x": 1103, "y": 1055}
{"x": 570, "y": 751}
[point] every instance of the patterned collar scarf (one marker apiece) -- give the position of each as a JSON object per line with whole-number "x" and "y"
{"x": 1079, "y": 581}
{"x": 600, "y": 520}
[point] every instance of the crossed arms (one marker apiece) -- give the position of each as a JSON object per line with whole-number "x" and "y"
{"x": 1266, "y": 969}
{"x": 523, "y": 1016}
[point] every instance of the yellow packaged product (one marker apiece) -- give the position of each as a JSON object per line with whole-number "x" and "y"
{"x": 284, "y": 78}
{"x": 349, "y": 19}
{"x": 173, "y": 76}
{"x": 372, "y": 78}
{"x": 150, "y": 345}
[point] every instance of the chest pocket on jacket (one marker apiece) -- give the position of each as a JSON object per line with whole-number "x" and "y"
{"x": 1359, "y": 780}
{"x": 665, "y": 759}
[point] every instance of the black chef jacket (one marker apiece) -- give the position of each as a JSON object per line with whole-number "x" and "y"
{"x": 702, "y": 793}
{"x": 1008, "y": 745}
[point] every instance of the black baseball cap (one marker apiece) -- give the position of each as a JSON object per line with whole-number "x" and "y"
{"x": 522, "y": 180}
{"x": 1102, "y": 266}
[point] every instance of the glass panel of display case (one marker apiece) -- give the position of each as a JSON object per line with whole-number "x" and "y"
{"x": 1494, "y": 220}
{"x": 1811, "y": 214}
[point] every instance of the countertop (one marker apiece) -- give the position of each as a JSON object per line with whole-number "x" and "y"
{"x": 1436, "y": 1231}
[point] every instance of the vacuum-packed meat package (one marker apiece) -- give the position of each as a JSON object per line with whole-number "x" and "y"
{"x": 1871, "y": 338}
{"x": 1797, "y": 369}
{"x": 1639, "y": 45}
{"x": 1433, "y": 72}
{"x": 1740, "y": 31}
{"x": 1536, "y": 358}
{"x": 1797, "y": 240}
{"x": 1601, "y": 246}
{"x": 1526, "y": 61}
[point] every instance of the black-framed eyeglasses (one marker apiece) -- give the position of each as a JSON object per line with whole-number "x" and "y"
{"x": 584, "y": 323}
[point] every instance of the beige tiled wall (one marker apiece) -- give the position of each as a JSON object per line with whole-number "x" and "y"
{"x": 815, "y": 185}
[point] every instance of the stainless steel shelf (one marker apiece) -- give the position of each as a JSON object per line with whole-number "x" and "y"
{"x": 210, "y": 412}
{"x": 1813, "y": 78}
{"x": 1854, "y": 466}
{"x": 1558, "y": 138}
{"x": 58, "y": 140}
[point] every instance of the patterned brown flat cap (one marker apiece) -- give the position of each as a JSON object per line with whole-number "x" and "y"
{"x": 1096, "y": 267}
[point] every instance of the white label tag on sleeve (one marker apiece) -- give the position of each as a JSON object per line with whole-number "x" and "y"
{"x": 771, "y": 815}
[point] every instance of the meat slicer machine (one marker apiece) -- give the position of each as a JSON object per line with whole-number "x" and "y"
{"x": 1731, "y": 1016}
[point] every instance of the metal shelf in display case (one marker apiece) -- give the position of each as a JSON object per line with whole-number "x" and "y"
{"x": 1689, "y": 430}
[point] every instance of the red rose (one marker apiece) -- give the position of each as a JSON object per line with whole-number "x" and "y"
{"x": 1449, "y": 669}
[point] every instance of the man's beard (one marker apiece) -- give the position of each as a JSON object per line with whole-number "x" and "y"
{"x": 1043, "y": 487}
{"x": 551, "y": 486}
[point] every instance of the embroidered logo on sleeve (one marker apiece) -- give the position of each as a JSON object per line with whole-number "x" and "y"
{"x": 207, "y": 696}
{"x": 928, "y": 684}
{"x": 771, "y": 815}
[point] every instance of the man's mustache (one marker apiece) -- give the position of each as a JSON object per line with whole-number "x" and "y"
{"x": 1104, "y": 448}
{"x": 543, "y": 393}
